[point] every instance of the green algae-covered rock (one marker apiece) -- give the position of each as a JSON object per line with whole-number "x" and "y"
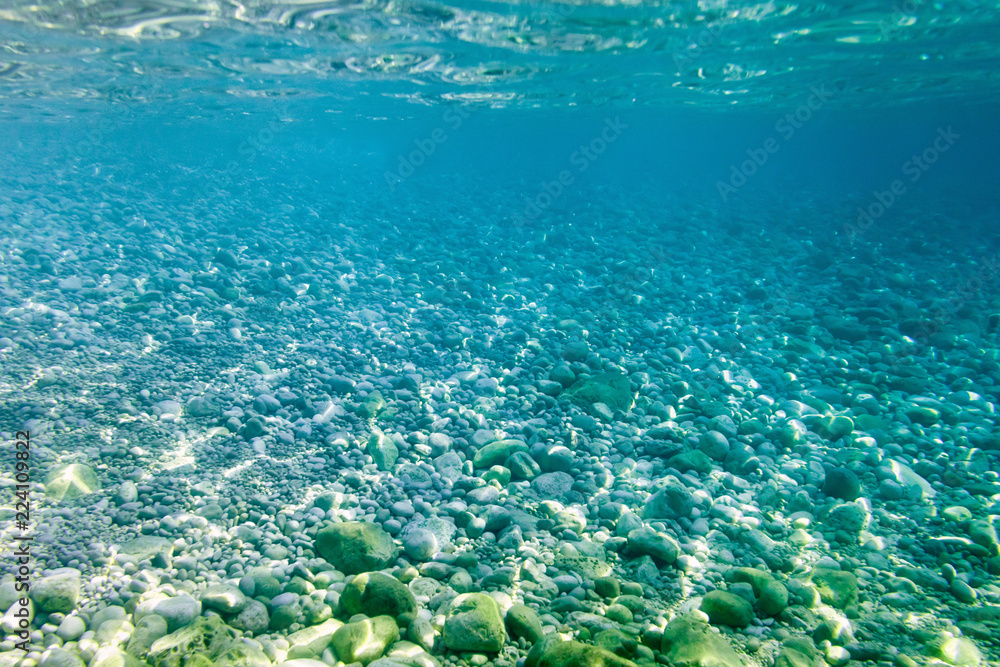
{"x": 71, "y": 481}
{"x": 690, "y": 642}
{"x": 364, "y": 641}
{"x": 799, "y": 652}
{"x": 208, "y": 636}
{"x": 612, "y": 389}
{"x": 619, "y": 643}
{"x": 372, "y": 405}
{"x": 836, "y": 588}
{"x": 474, "y": 623}
{"x": 382, "y": 450}
{"x": 957, "y": 651}
{"x": 773, "y": 598}
{"x": 727, "y": 609}
{"x": 376, "y": 594}
{"x": 522, "y": 621}
{"x": 692, "y": 459}
{"x": 834, "y": 427}
{"x": 497, "y": 452}
{"x": 757, "y": 578}
{"x": 554, "y": 652}
{"x": 157, "y": 550}
{"x": 242, "y": 655}
{"x": 354, "y": 547}
{"x": 312, "y": 641}
{"x": 58, "y": 592}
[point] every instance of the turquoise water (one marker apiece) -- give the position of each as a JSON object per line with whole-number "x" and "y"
{"x": 514, "y": 334}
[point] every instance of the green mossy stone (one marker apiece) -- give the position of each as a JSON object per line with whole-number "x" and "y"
{"x": 474, "y": 623}
{"x": 617, "y": 642}
{"x": 207, "y": 636}
{"x": 553, "y": 652}
{"x": 377, "y": 594}
{"x": 757, "y": 578}
{"x": 690, "y": 642}
{"x": 312, "y": 641}
{"x": 354, "y": 547}
{"x": 612, "y": 389}
{"x": 523, "y": 621}
{"x": 834, "y": 427}
{"x": 725, "y": 608}
{"x": 799, "y": 652}
{"x": 71, "y": 481}
{"x": 693, "y": 459}
{"x": 496, "y": 452}
{"x": 371, "y": 405}
{"x": 836, "y": 588}
{"x": 773, "y": 599}
{"x": 364, "y": 641}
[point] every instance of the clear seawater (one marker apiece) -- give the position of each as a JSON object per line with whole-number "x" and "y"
{"x": 744, "y": 206}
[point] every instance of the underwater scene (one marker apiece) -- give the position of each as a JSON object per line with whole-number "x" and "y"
{"x": 576, "y": 333}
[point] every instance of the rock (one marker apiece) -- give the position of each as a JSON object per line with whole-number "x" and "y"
{"x": 224, "y": 598}
{"x": 383, "y": 451}
{"x": 312, "y": 641}
{"x": 157, "y": 550}
{"x": 112, "y": 656}
{"x": 799, "y": 652}
{"x": 147, "y": 630}
{"x": 725, "y": 608}
{"x": 646, "y": 541}
{"x": 714, "y": 445}
{"x": 673, "y": 501}
{"x": 420, "y": 544}
{"x": 71, "y": 628}
{"x": 253, "y": 619}
{"x": 354, "y": 547}
{"x": 957, "y": 651}
{"x": 836, "y": 588}
{"x": 57, "y": 592}
{"x": 364, "y": 641}
{"x": 616, "y": 641}
{"x": 852, "y": 518}
{"x": 177, "y": 611}
{"x": 690, "y": 642}
{"x": 522, "y": 466}
{"x": 522, "y": 621}
{"x": 984, "y": 533}
{"x": 376, "y": 594}
{"x": 552, "y": 486}
{"x": 773, "y": 598}
{"x": 758, "y": 579}
{"x": 128, "y": 492}
{"x": 834, "y": 427}
{"x": 554, "y": 652}
{"x": 496, "y": 452}
{"x": 474, "y": 623}
{"x": 612, "y": 389}
{"x": 691, "y": 460}
{"x": 242, "y": 655}
{"x": 842, "y": 483}
{"x": 71, "y": 481}
{"x": 208, "y": 636}
{"x": 371, "y": 405}
{"x": 58, "y": 657}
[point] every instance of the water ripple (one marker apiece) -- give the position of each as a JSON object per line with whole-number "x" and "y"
{"x": 710, "y": 52}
